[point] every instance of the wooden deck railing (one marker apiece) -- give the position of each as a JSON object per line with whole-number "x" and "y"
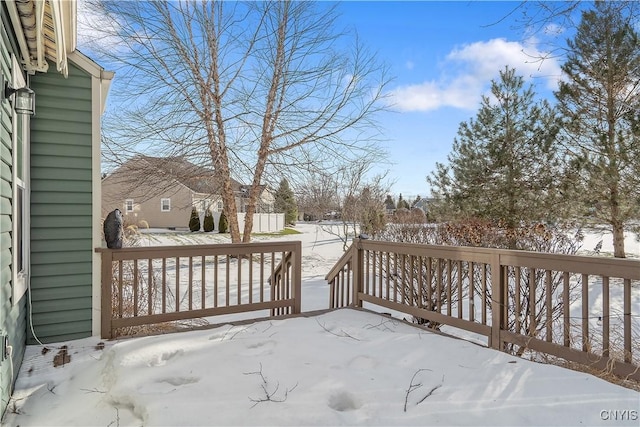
{"x": 520, "y": 301}
{"x": 152, "y": 285}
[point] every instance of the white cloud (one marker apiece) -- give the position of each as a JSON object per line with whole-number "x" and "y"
{"x": 468, "y": 70}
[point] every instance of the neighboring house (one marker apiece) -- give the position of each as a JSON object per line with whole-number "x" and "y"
{"x": 423, "y": 204}
{"x": 49, "y": 182}
{"x": 159, "y": 192}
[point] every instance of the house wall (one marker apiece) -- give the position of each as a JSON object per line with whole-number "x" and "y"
{"x": 61, "y": 206}
{"x": 12, "y": 313}
{"x": 146, "y": 206}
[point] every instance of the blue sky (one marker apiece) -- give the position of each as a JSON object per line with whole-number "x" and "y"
{"x": 443, "y": 56}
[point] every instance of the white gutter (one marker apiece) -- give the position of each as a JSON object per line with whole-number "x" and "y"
{"x": 59, "y": 26}
{"x": 39, "y": 37}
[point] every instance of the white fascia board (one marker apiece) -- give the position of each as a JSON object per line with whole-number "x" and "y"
{"x": 105, "y": 77}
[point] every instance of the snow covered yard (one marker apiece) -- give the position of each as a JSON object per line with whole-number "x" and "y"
{"x": 341, "y": 368}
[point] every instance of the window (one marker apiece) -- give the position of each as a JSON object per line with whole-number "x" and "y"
{"x": 128, "y": 205}
{"x": 165, "y": 205}
{"x": 20, "y": 191}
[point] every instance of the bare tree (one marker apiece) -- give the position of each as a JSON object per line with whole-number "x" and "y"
{"x": 243, "y": 88}
{"x": 360, "y": 197}
{"x": 318, "y": 195}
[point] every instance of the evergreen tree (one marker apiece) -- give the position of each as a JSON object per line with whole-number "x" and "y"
{"x": 286, "y": 202}
{"x": 415, "y": 202}
{"x": 599, "y": 103}
{"x": 208, "y": 221}
{"x": 223, "y": 223}
{"x": 402, "y": 203}
{"x": 504, "y": 165}
{"x": 194, "y": 220}
{"x": 389, "y": 204}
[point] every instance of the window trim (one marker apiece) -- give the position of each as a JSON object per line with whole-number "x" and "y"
{"x": 162, "y": 207}
{"x": 20, "y": 279}
{"x": 126, "y": 205}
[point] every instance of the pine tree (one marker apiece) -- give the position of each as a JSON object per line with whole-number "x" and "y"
{"x": 223, "y": 223}
{"x": 285, "y": 202}
{"x": 402, "y": 203}
{"x": 416, "y": 201}
{"x": 389, "y": 204}
{"x": 599, "y": 102}
{"x": 194, "y": 220}
{"x": 208, "y": 221}
{"x": 504, "y": 165}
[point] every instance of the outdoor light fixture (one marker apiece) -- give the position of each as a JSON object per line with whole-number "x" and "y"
{"x": 24, "y": 99}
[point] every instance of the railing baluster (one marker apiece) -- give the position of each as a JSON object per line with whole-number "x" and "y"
{"x": 586, "y": 345}
{"x": 178, "y": 284}
{"x": 449, "y": 284}
{"x": 484, "y": 294}
{"x": 262, "y": 277}
{"x": 164, "y": 285}
{"x": 190, "y": 284}
{"x": 472, "y": 286}
{"x": 150, "y": 288}
{"x": 366, "y": 272}
{"x": 627, "y": 321}
{"x": 135, "y": 287}
{"x": 605, "y": 316}
{"x": 215, "y": 281}
{"x": 459, "y": 290}
{"x": 403, "y": 278}
{"x": 532, "y": 302}
{"x": 420, "y": 282}
{"x": 565, "y": 309}
{"x": 395, "y": 277}
{"x": 518, "y": 307}
{"x": 250, "y": 278}
{"x": 380, "y": 274}
{"x": 274, "y": 281}
{"x": 439, "y": 286}
{"x": 548, "y": 309}
{"x": 228, "y": 281}
{"x": 203, "y": 282}
{"x": 411, "y": 285}
{"x": 120, "y": 287}
{"x": 239, "y": 275}
{"x": 429, "y": 280}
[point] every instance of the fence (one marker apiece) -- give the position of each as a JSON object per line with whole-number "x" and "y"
{"x": 520, "y": 301}
{"x": 264, "y": 222}
{"x": 152, "y": 285}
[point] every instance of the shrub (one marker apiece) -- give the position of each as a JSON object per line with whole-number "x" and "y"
{"x": 194, "y": 221}
{"x": 537, "y": 237}
{"x": 223, "y": 224}
{"x": 208, "y": 221}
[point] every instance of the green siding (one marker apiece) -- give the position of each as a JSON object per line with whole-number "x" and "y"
{"x": 12, "y": 314}
{"x": 61, "y": 206}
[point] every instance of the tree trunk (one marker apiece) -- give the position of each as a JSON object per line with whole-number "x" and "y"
{"x": 618, "y": 240}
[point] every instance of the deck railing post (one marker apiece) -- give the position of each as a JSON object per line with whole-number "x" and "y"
{"x": 357, "y": 261}
{"x": 497, "y": 301}
{"x": 106, "y": 286}
{"x": 297, "y": 277}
